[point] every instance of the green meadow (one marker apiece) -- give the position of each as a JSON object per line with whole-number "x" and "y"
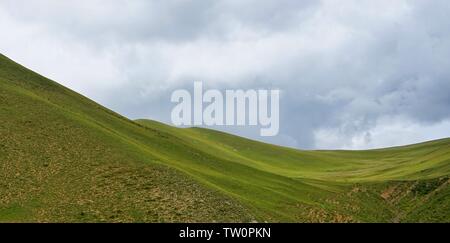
{"x": 65, "y": 158}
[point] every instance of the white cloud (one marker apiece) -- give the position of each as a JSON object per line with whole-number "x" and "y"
{"x": 389, "y": 131}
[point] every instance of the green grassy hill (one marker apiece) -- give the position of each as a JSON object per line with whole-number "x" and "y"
{"x": 64, "y": 158}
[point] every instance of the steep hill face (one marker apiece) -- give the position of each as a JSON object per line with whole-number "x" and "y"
{"x": 64, "y": 158}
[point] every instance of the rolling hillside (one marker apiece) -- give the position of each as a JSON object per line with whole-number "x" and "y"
{"x": 64, "y": 158}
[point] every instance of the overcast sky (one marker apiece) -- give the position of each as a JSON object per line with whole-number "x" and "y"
{"x": 353, "y": 74}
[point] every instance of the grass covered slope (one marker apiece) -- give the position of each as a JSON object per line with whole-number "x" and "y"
{"x": 333, "y": 185}
{"x": 65, "y": 158}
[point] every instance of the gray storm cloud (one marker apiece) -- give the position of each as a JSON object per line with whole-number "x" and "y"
{"x": 353, "y": 74}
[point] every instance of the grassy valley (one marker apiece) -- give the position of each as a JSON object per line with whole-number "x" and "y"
{"x": 64, "y": 158}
